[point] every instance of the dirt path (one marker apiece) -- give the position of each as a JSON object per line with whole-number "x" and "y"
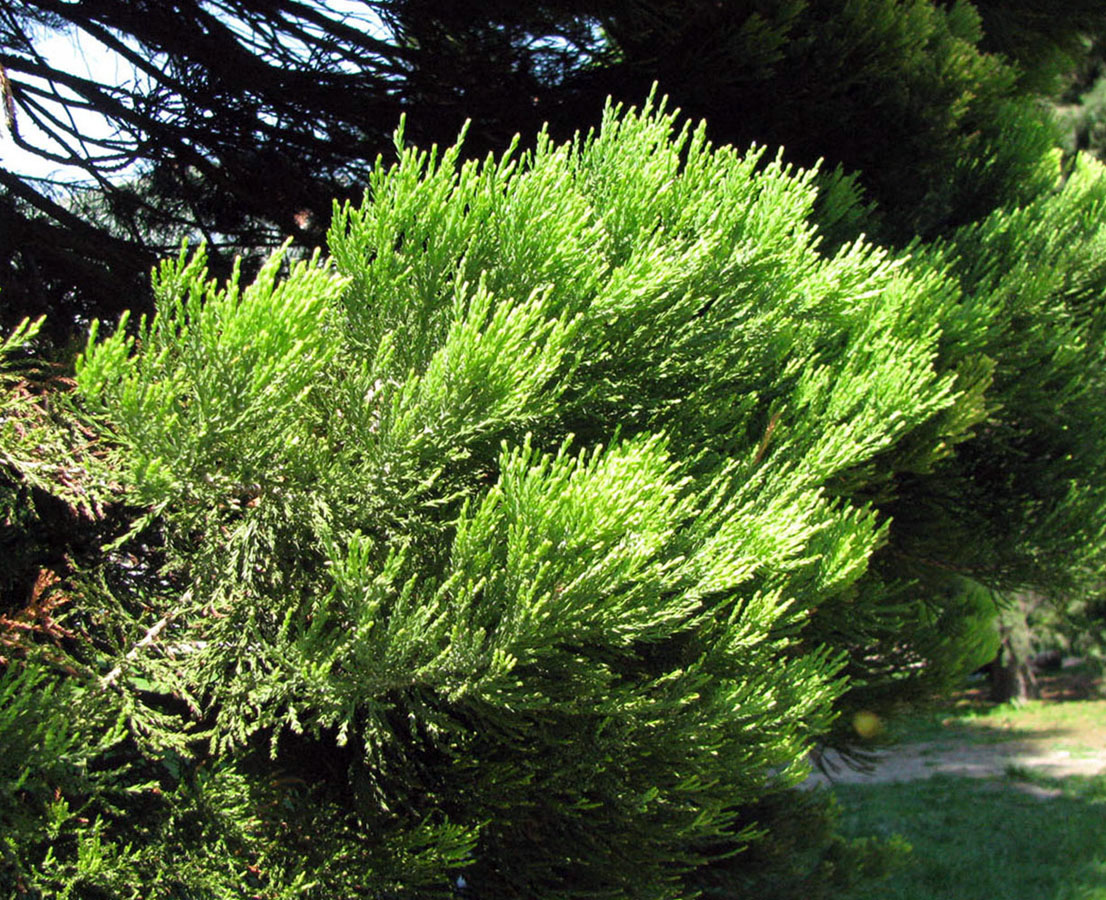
{"x": 910, "y": 762}
{"x": 1057, "y": 739}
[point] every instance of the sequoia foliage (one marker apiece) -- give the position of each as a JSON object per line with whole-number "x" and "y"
{"x": 537, "y": 533}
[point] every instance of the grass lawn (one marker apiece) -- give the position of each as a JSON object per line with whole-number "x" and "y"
{"x": 1019, "y": 837}
{"x": 977, "y": 839}
{"x": 1074, "y": 700}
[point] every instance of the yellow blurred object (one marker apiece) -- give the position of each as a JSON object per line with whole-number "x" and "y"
{"x": 867, "y": 724}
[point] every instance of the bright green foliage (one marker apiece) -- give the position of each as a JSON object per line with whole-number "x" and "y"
{"x": 539, "y": 533}
{"x": 526, "y": 537}
{"x": 1021, "y": 504}
{"x": 216, "y": 365}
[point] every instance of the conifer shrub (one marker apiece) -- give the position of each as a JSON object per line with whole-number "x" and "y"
{"x": 1029, "y": 487}
{"x": 531, "y": 539}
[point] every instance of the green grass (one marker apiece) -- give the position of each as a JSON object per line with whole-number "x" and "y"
{"x": 986, "y": 840}
{"x": 1022, "y": 837}
{"x": 1077, "y": 706}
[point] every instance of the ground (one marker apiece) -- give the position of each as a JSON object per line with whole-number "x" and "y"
{"x": 1063, "y": 734}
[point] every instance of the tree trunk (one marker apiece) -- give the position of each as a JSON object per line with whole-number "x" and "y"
{"x": 1011, "y": 676}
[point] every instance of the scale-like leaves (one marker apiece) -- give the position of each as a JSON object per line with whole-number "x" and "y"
{"x": 542, "y": 525}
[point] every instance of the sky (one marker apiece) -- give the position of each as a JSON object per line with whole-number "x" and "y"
{"x": 81, "y": 54}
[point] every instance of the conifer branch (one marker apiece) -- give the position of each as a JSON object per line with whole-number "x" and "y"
{"x": 148, "y": 638}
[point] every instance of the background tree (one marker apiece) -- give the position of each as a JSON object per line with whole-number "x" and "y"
{"x": 242, "y": 122}
{"x": 1082, "y": 106}
{"x": 244, "y": 118}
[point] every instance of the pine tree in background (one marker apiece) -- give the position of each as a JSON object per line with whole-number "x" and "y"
{"x": 1081, "y": 108}
{"x": 244, "y": 118}
{"x": 1047, "y": 48}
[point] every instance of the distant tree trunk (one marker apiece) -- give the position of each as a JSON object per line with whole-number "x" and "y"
{"x": 1011, "y": 675}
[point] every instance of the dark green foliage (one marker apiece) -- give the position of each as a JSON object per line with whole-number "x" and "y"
{"x": 50, "y": 503}
{"x": 1045, "y": 46}
{"x": 1029, "y": 487}
{"x": 895, "y": 90}
{"x": 805, "y": 855}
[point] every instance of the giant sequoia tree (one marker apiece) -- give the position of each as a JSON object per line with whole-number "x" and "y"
{"x": 532, "y": 535}
{"x": 538, "y": 531}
